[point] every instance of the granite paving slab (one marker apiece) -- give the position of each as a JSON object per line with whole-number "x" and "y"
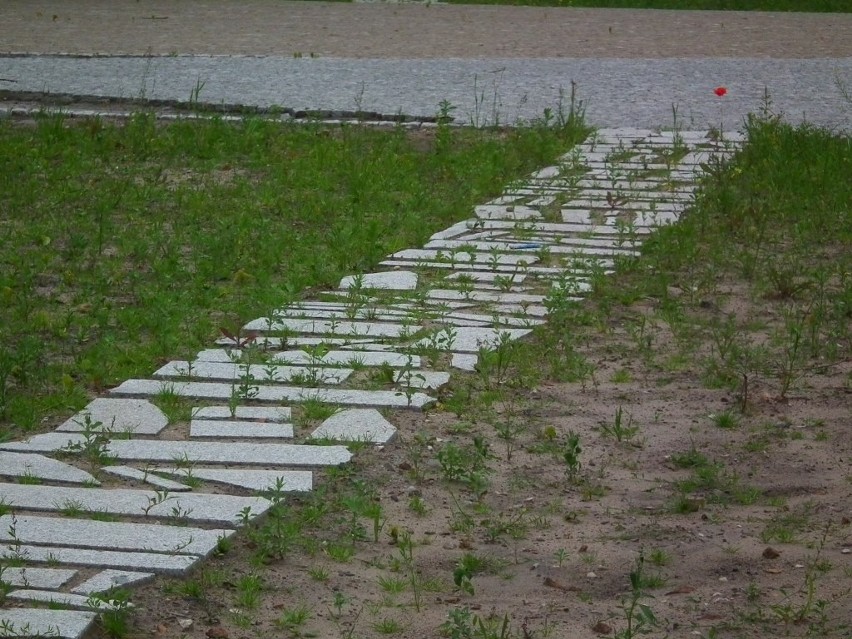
{"x": 148, "y": 561}
{"x": 128, "y": 472}
{"x": 264, "y": 393}
{"x": 354, "y": 329}
{"x": 64, "y": 599}
{"x": 471, "y": 340}
{"x": 356, "y": 425}
{"x": 108, "y": 579}
{"x": 89, "y": 533}
{"x": 392, "y": 280}
{"x": 136, "y": 416}
{"x": 233, "y": 428}
{"x": 196, "y": 507}
{"x": 257, "y": 413}
{"x": 255, "y": 480}
{"x": 261, "y": 373}
{"x": 41, "y": 578}
{"x": 41, "y": 622}
{"x": 29, "y": 465}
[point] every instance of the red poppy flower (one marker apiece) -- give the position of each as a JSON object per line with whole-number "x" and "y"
{"x": 720, "y": 91}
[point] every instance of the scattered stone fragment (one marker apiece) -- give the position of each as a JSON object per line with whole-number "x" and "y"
{"x": 134, "y": 473}
{"x": 136, "y": 416}
{"x": 29, "y": 465}
{"x": 356, "y": 425}
{"x": 391, "y": 280}
{"x": 422, "y": 379}
{"x": 109, "y": 579}
{"x": 40, "y": 622}
{"x": 464, "y": 361}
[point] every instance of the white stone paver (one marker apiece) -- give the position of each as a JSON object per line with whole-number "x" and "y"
{"x": 109, "y": 579}
{"x": 264, "y": 393}
{"x": 234, "y": 428}
{"x": 137, "y": 416}
{"x": 49, "y": 578}
{"x": 41, "y": 622}
{"x": 254, "y": 480}
{"x": 248, "y": 413}
{"x": 129, "y": 472}
{"x": 356, "y": 425}
{"x": 395, "y": 280}
{"x": 64, "y": 599}
{"x": 481, "y": 282}
{"x": 157, "y": 562}
{"x": 33, "y": 466}
{"x": 137, "y": 503}
{"x": 108, "y": 535}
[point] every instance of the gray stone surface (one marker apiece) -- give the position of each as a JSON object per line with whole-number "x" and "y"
{"x": 129, "y": 472}
{"x": 108, "y": 579}
{"x": 191, "y": 506}
{"x": 256, "y": 413}
{"x": 464, "y": 258}
{"x": 356, "y": 425}
{"x": 470, "y": 340}
{"x": 148, "y": 561}
{"x": 109, "y": 535}
{"x": 41, "y": 467}
{"x": 120, "y": 415}
{"x": 323, "y": 327}
{"x": 260, "y": 373}
{"x": 480, "y": 276}
{"x": 506, "y": 212}
{"x": 211, "y": 390}
{"x": 464, "y": 361}
{"x": 422, "y": 379}
{"x": 28, "y": 577}
{"x": 484, "y": 296}
{"x": 40, "y": 622}
{"x": 391, "y": 280}
{"x": 256, "y": 480}
{"x": 65, "y": 599}
{"x": 232, "y": 428}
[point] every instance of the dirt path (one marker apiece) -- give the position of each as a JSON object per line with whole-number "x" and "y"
{"x": 273, "y": 27}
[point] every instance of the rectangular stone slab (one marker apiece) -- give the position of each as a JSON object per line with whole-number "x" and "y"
{"x": 331, "y": 358}
{"x": 268, "y": 393}
{"x": 463, "y": 258}
{"x": 156, "y": 562}
{"x": 41, "y": 467}
{"x": 89, "y": 533}
{"x": 325, "y": 327}
{"x": 40, "y": 622}
{"x": 258, "y": 373}
{"x": 60, "y": 598}
{"x": 470, "y": 340}
{"x": 149, "y": 478}
{"x": 109, "y": 579}
{"x": 121, "y": 501}
{"x": 28, "y": 577}
{"x": 257, "y": 480}
{"x": 257, "y": 413}
{"x": 234, "y": 428}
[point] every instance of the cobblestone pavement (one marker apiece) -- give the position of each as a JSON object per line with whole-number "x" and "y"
{"x": 170, "y": 491}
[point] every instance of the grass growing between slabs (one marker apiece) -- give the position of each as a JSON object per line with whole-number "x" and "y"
{"x": 123, "y": 246}
{"x": 668, "y": 456}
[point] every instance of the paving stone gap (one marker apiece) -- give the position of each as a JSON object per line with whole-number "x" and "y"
{"x": 481, "y": 282}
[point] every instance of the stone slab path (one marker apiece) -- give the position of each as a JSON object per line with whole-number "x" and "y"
{"x": 75, "y": 524}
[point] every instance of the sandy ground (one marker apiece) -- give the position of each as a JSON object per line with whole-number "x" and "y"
{"x": 272, "y": 27}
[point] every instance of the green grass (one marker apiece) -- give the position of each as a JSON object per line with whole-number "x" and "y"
{"x": 821, "y": 6}
{"x": 123, "y": 246}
